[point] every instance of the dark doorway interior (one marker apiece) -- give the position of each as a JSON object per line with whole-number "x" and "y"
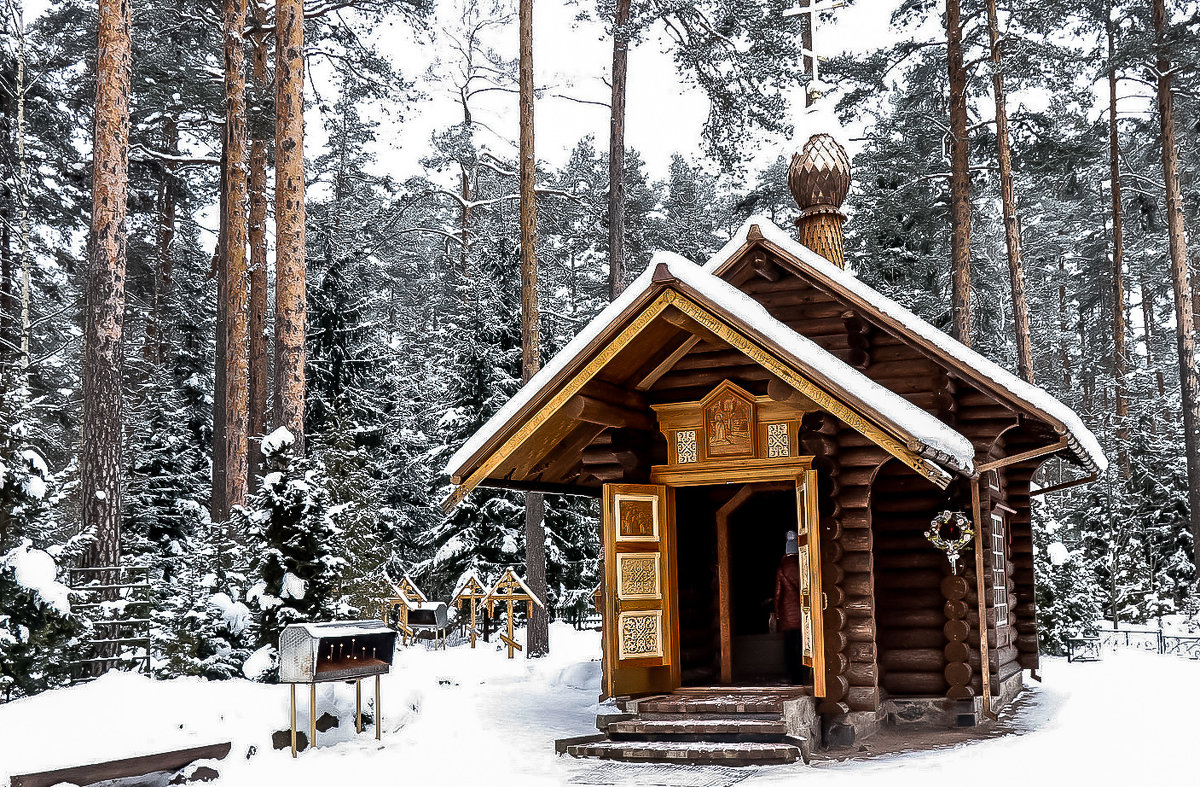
{"x": 757, "y": 532}
{"x": 756, "y": 544}
{"x": 696, "y": 556}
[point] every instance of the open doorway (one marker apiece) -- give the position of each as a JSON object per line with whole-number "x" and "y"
{"x": 757, "y": 518}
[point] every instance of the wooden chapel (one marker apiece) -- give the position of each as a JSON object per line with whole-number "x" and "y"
{"x": 715, "y": 407}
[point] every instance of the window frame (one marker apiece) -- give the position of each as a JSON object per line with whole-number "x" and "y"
{"x": 999, "y": 547}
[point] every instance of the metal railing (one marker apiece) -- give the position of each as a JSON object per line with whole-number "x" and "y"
{"x": 1093, "y": 643}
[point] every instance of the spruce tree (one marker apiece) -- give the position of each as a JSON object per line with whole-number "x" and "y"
{"x": 294, "y": 539}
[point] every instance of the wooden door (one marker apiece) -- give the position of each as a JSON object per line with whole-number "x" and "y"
{"x": 812, "y": 599}
{"x": 640, "y": 620}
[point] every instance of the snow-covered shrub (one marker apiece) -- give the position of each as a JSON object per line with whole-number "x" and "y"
{"x": 204, "y": 627}
{"x": 294, "y": 540}
{"x": 38, "y": 633}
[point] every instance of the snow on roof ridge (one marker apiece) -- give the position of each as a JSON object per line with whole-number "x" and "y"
{"x": 935, "y": 434}
{"x": 1031, "y": 394}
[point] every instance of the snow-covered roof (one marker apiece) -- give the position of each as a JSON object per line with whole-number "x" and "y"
{"x": 344, "y": 628}
{"x": 936, "y": 439}
{"x": 511, "y": 576}
{"x": 1079, "y": 437}
{"x": 465, "y": 579}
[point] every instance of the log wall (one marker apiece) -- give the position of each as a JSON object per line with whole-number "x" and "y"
{"x": 919, "y": 638}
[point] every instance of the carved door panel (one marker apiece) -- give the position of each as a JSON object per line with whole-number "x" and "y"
{"x": 639, "y": 619}
{"x": 812, "y": 599}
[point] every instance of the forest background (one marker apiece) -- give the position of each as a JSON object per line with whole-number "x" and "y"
{"x": 414, "y": 279}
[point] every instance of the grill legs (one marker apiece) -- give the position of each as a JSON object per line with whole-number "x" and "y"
{"x": 293, "y": 720}
{"x": 312, "y": 712}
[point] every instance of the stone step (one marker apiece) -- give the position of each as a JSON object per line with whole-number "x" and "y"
{"x": 693, "y": 729}
{"x": 690, "y": 753}
{"x": 714, "y": 704}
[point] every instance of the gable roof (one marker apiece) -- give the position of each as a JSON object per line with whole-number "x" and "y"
{"x": 973, "y": 366}
{"x": 935, "y": 444}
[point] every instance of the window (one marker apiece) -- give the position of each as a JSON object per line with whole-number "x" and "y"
{"x": 999, "y": 571}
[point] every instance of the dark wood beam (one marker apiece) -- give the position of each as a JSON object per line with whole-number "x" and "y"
{"x": 572, "y": 490}
{"x": 595, "y": 411}
{"x": 615, "y": 395}
{"x": 566, "y": 455}
{"x": 681, "y": 320}
{"x": 765, "y": 268}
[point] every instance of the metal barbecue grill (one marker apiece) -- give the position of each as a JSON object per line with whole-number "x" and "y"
{"x": 315, "y": 653}
{"x": 431, "y": 616}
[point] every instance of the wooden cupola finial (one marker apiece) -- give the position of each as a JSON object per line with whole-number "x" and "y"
{"x": 819, "y": 177}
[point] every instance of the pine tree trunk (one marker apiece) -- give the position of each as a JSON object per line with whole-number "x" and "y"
{"x": 257, "y": 232}
{"x": 1185, "y": 332}
{"x": 22, "y": 188}
{"x": 235, "y": 276}
{"x": 960, "y": 183}
{"x": 1008, "y": 200}
{"x": 290, "y": 305}
{"x": 157, "y": 344}
{"x": 538, "y": 634}
{"x": 1148, "y": 312}
{"x": 616, "y": 152}
{"x": 464, "y": 222}
{"x": 217, "y": 505}
{"x": 1064, "y": 352}
{"x": 103, "y": 349}
{"x": 1120, "y": 354}
{"x": 6, "y": 255}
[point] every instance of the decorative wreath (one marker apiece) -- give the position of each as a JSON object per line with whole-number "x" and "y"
{"x": 951, "y": 532}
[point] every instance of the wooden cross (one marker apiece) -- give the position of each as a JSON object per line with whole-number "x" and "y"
{"x": 408, "y": 595}
{"x": 811, "y": 8}
{"x": 472, "y": 591}
{"x": 510, "y": 589}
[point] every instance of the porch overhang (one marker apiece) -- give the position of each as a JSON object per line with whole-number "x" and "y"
{"x": 598, "y": 381}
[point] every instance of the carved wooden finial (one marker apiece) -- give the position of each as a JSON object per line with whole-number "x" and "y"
{"x": 819, "y": 178}
{"x": 662, "y": 274}
{"x": 754, "y": 233}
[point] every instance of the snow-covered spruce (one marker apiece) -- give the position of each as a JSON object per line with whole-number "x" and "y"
{"x": 296, "y": 566}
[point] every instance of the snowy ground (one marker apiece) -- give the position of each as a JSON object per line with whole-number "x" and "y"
{"x": 476, "y": 717}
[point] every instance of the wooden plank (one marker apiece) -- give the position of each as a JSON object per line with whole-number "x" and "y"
{"x": 723, "y": 580}
{"x": 647, "y": 377}
{"x": 123, "y": 769}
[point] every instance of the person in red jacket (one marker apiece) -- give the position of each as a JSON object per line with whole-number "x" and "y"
{"x": 788, "y": 616}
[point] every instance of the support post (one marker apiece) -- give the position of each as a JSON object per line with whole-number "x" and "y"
{"x": 985, "y": 667}
{"x": 358, "y": 705}
{"x": 378, "y": 710}
{"x": 312, "y": 715}
{"x": 293, "y": 720}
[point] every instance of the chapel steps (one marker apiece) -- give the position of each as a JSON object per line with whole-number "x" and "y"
{"x": 719, "y": 728}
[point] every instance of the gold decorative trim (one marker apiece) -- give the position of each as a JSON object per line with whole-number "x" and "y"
{"x": 569, "y": 389}
{"x": 668, "y": 298}
{"x": 825, "y": 400}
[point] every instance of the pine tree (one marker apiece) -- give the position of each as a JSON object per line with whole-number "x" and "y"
{"x": 295, "y": 542}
